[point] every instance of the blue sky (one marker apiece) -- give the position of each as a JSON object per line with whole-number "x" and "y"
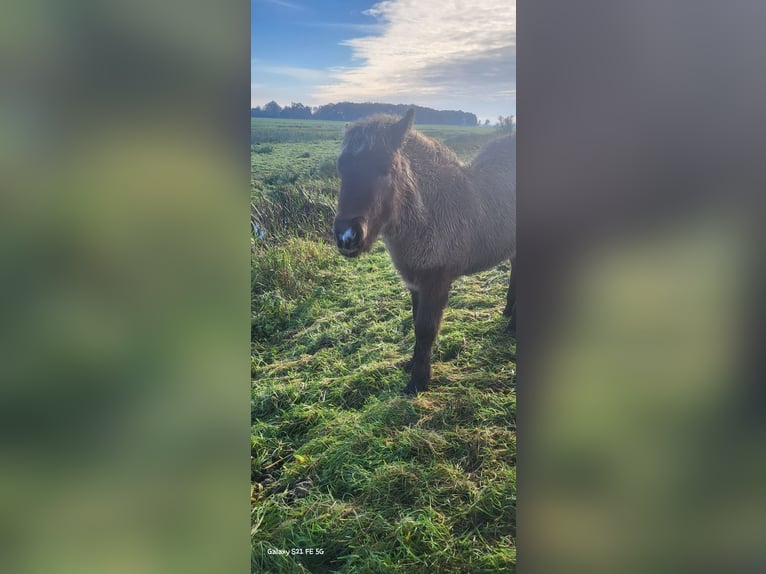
{"x": 444, "y": 54}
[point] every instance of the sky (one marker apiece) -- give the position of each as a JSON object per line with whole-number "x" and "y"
{"x": 443, "y": 54}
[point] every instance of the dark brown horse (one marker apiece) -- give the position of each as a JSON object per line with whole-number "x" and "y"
{"x": 439, "y": 218}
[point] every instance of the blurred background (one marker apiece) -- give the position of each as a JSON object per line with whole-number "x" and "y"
{"x": 641, "y": 411}
{"x": 124, "y": 287}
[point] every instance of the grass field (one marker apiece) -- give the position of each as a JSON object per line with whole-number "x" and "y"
{"x": 347, "y": 474}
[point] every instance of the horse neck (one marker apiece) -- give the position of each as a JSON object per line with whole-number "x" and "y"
{"x": 421, "y": 160}
{"x": 426, "y": 156}
{"x": 409, "y": 210}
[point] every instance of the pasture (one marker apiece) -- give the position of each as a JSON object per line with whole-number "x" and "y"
{"x": 347, "y": 474}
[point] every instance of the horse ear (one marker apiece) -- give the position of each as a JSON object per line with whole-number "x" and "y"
{"x": 409, "y": 117}
{"x": 400, "y": 129}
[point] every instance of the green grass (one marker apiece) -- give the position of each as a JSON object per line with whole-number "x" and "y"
{"x": 341, "y": 461}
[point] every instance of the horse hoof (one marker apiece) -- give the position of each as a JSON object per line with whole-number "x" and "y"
{"x": 413, "y": 388}
{"x": 409, "y": 391}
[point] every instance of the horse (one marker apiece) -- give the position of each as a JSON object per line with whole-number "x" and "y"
{"x": 438, "y": 217}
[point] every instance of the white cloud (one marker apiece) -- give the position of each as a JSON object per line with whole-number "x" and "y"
{"x": 444, "y": 53}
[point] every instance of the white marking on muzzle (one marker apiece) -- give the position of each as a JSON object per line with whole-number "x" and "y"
{"x": 347, "y": 234}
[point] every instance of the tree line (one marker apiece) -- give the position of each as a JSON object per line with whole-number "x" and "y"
{"x": 349, "y": 112}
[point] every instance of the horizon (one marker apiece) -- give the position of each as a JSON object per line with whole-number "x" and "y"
{"x": 429, "y": 53}
{"x": 313, "y": 108}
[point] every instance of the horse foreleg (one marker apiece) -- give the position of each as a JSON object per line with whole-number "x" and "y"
{"x": 414, "y": 295}
{"x": 430, "y": 308}
{"x": 511, "y": 329}
{"x": 510, "y": 305}
{"x": 510, "y": 298}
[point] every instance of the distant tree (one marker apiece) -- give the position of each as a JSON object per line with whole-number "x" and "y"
{"x": 296, "y": 111}
{"x": 272, "y": 109}
{"x": 505, "y": 123}
{"x": 349, "y": 112}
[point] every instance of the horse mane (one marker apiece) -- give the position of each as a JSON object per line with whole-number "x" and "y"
{"x": 371, "y": 134}
{"x": 368, "y": 134}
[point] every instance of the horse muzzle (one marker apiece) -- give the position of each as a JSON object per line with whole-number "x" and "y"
{"x": 349, "y": 236}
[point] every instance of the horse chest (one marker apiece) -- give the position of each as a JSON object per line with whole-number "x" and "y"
{"x": 406, "y": 259}
{"x": 416, "y": 262}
